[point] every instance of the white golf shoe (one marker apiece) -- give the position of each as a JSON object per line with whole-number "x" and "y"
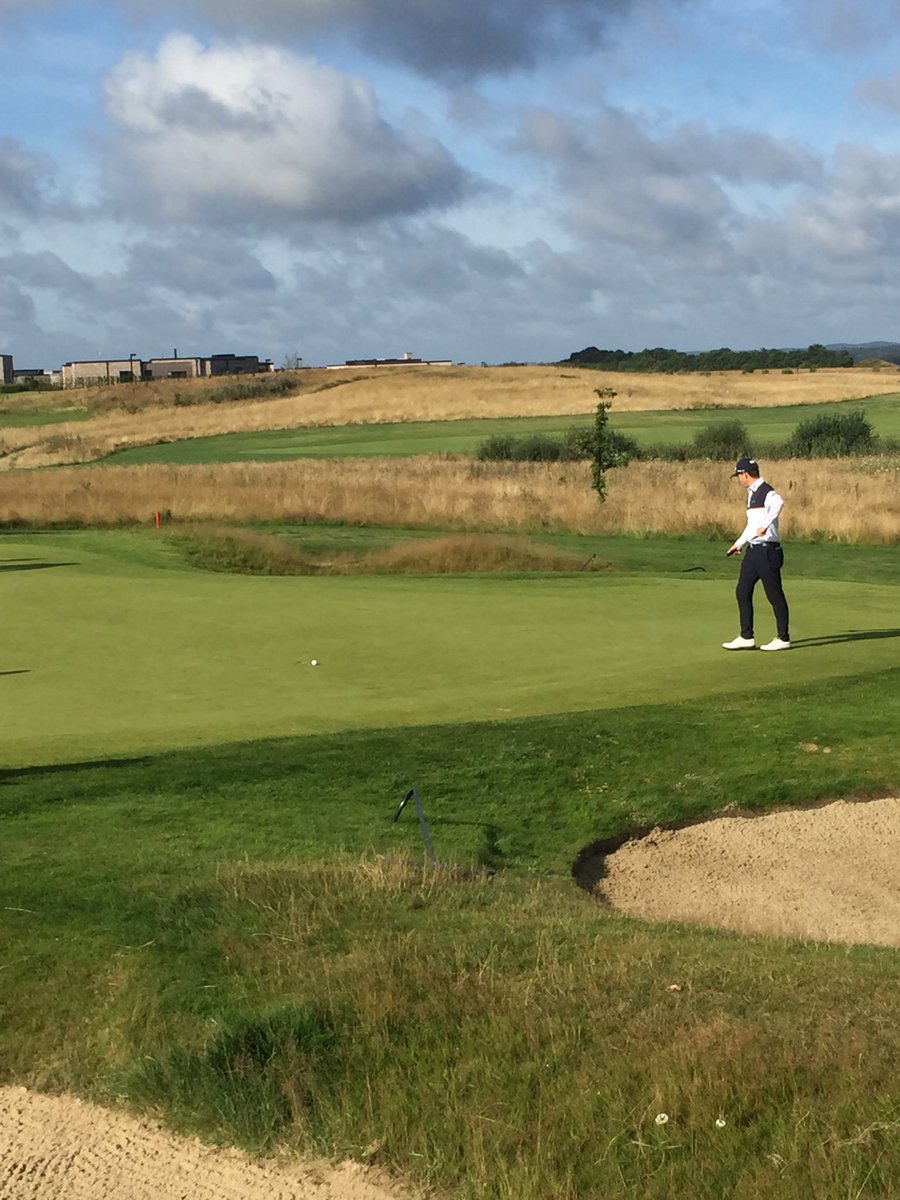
{"x": 776, "y": 644}
{"x": 740, "y": 643}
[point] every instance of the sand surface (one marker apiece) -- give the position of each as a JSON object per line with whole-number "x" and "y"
{"x": 830, "y": 873}
{"x": 61, "y": 1148}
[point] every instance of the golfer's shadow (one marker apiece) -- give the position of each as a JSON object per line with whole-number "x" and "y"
{"x": 852, "y": 635}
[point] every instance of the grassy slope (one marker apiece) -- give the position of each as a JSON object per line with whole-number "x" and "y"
{"x": 464, "y": 436}
{"x": 11, "y": 418}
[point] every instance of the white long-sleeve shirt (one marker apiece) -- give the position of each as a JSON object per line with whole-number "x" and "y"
{"x": 764, "y": 517}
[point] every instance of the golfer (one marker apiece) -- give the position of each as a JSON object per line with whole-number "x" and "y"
{"x": 763, "y": 560}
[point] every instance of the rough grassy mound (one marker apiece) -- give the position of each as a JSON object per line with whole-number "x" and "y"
{"x": 246, "y": 552}
{"x": 464, "y": 553}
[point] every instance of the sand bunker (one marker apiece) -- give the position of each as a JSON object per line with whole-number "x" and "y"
{"x": 830, "y": 873}
{"x": 56, "y": 1146}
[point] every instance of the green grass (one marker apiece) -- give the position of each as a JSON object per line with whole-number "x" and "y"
{"x": 668, "y": 428}
{"x": 764, "y": 425}
{"x": 10, "y": 418}
{"x": 147, "y": 654}
{"x": 210, "y": 922}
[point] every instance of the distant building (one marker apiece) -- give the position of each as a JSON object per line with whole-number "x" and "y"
{"x": 36, "y": 378}
{"x": 237, "y": 364}
{"x": 174, "y": 368}
{"x": 131, "y": 369}
{"x": 406, "y": 361}
{"x": 6, "y": 368}
{"x": 100, "y": 371}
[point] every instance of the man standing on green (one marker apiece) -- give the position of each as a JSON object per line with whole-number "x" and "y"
{"x": 763, "y": 560}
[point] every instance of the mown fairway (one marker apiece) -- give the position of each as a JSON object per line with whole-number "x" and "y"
{"x": 666, "y": 428}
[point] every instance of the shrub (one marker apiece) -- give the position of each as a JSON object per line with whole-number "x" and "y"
{"x": 837, "y": 435}
{"x": 621, "y": 449}
{"x": 578, "y": 442}
{"x": 722, "y": 439}
{"x": 539, "y": 447}
{"x": 499, "y": 448}
{"x": 535, "y": 447}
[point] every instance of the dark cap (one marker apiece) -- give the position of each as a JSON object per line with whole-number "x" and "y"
{"x": 750, "y": 465}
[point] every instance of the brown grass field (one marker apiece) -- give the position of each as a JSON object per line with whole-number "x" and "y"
{"x": 142, "y": 414}
{"x": 849, "y": 499}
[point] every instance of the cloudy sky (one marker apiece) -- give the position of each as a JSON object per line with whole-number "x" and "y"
{"x": 481, "y": 180}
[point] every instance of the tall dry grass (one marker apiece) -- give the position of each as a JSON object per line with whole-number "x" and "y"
{"x": 848, "y": 500}
{"x": 415, "y": 394}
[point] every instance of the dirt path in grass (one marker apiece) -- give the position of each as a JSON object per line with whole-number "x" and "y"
{"x": 60, "y": 1148}
{"x": 828, "y": 873}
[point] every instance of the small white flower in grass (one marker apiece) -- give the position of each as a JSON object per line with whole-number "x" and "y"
{"x": 662, "y": 1118}
{"x": 720, "y": 1122}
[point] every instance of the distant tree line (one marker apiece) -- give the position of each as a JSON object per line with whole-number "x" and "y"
{"x": 673, "y": 361}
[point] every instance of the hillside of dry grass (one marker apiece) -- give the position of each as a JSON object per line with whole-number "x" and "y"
{"x": 846, "y": 499}
{"x": 172, "y": 410}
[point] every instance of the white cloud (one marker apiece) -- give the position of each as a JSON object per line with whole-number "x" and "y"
{"x": 256, "y": 137}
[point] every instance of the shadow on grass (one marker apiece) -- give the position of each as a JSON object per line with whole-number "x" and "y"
{"x": 24, "y": 671}
{"x": 13, "y": 774}
{"x": 853, "y": 635}
{"x": 27, "y": 564}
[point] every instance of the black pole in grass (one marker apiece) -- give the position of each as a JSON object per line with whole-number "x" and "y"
{"x": 413, "y": 794}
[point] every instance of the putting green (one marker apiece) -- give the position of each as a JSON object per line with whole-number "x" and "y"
{"x": 117, "y": 649}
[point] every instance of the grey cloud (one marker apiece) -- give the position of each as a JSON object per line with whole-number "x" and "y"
{"x": 191, "y": 108}
{"x": 445, "y": 38}
{"x": 618, "y": 181}
{"x": 883, "y": 91}
{"x": 23, "y": 179}
{"x": 16, "y": 306}
{"x": 658, "y": 190}
{"x": 450, "y": 39}
{"x": 434, "y": 291}
{"x": 847, "y": 231}
{"x": 202, "y": 265}
{"x": 745, "y": 156}
{"x": 844, "y": 26}
{"x": 46, "y": 270}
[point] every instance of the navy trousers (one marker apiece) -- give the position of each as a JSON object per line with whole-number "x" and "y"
{"x": 762, "y": 563}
